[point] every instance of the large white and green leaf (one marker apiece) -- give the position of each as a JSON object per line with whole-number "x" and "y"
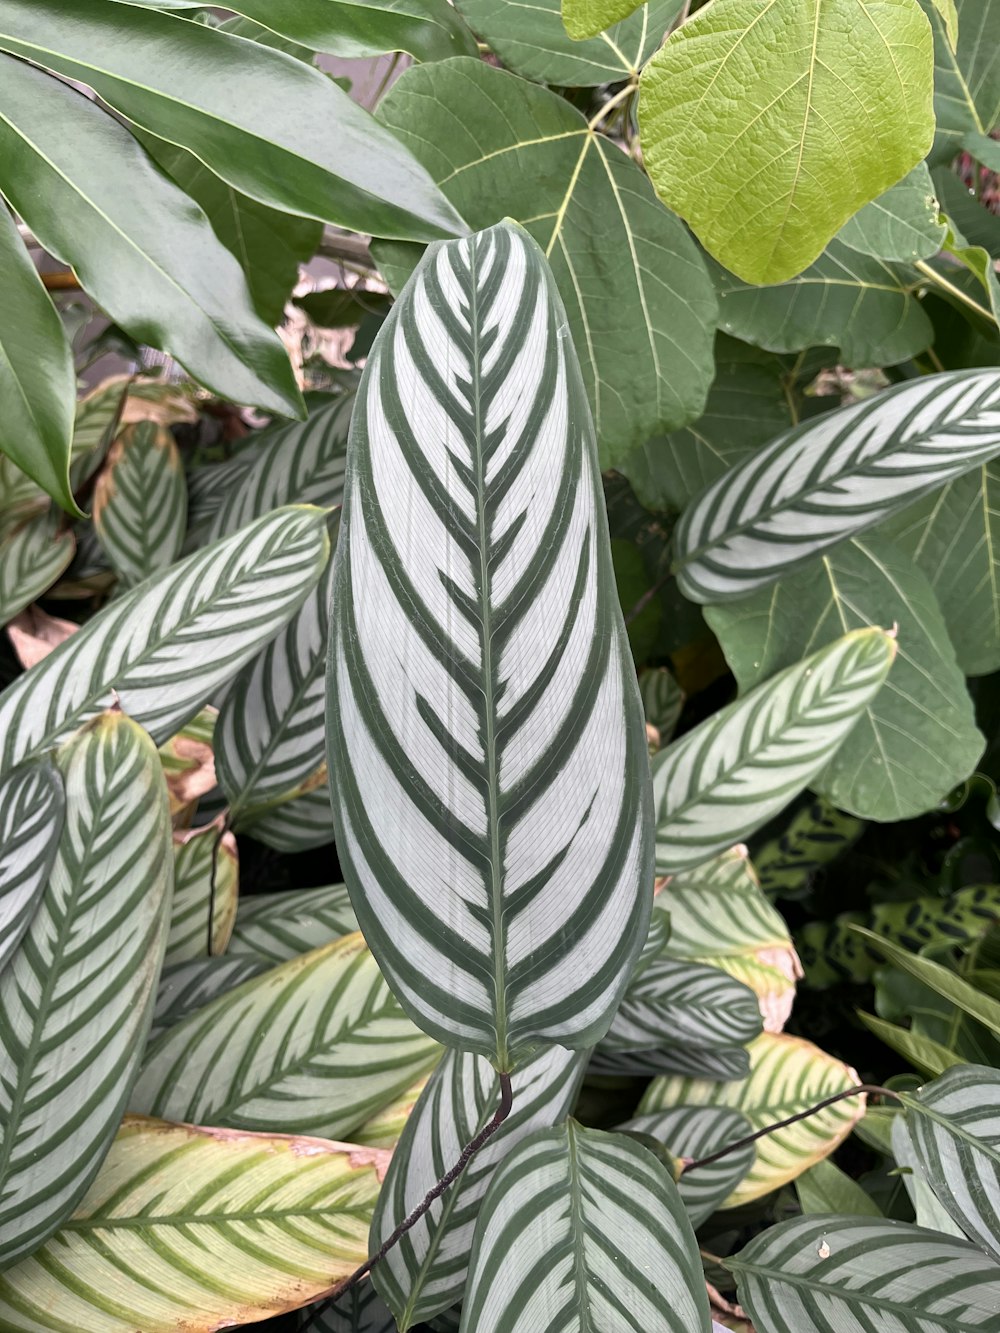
{"x": 35, "y": 549}
{"x": 864, "y": 1273}
{"x": 834, "y": 477}
{"x": 314, "y": 1046}
{"x": 359, "y": 1310}
{"x": 426, "y": 1272}
{"x": 76, "y": 1000}
{"x": 280, "y": 926}
{"x": 724, "y": 1064}
{"x": 206, "y": 885}
{"x": 733, "y": 772}
{"x": 188, "y": 1229}
{"x": 582, "y": 1230}
{"x": 691, "y": 1132}
{"x": 201, "y": 620}
{"x": 299, "y": 824}
{"x": 140, "y": 502}
{"x": 185, "y": 987}
{"x": 928, "y": 1210}
{"x": 487, "y": 744}
{"x": 32, "y": 810}
{"x": 674, "y": 1002}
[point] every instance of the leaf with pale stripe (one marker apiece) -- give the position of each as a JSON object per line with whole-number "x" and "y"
{"x": 725, "y": 1065}
{"x": 186, "y": 987}
{"x": 954, "y": 1126}
{"x": 829, "y": 478}
{"x": 674, "y": 1002}
{"x": 206, "y": 871}
{"x": 487, "y": 745}
{"x": 584, "y": 1231}
{"x": 299, "y": 824}
{"x": 76, "y": 1000}
{"x": 140, "y": 502}
{"x": 360, "y": 1310}
{"x": 280, "y": 926}
{"x": 189, "y": 764}
{"x": 315, "y": 1046}
{"x": 693, "y": 1132}
{"x": 385, "y": 1128}
{"x": 32, "y": 811}
{"x": 426, "y": 1272}
{"x": 787, "y": 1075}
{"x": 34, "y": 551}
{"x": 851, "y": 1273}
{"x": 190, "y": 1229}
{"x": 736, "y": 770}
{"x": 198, "y": 623}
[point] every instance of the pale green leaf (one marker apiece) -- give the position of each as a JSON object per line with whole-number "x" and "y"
{"x": 948, "y": 12}
{"x": 32, "y": 811}
{"x": 588, "y": 18}
{"x": 690, "y": 1133}
{"x": 825, "y": 1188}
{"x": 140, "y": 502}
{"x": 929, "y": 1056}
{"x": 206, "y": 880}
{"x": 35, "y": 548}
{"x": 903, "y": 224}
{"x": 76, "y": 1000}
{"x": 384, "y": 1129}
{"x": 280, "y": 926}
{"x": 766, "y": 132}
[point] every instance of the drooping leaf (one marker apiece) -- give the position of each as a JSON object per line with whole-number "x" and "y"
{"x": 966, "y": 75}
{"x": 865, "y": 1273}
{"x": 32, "y": 811}
{"x": 929, "y": 1056}
{"x": 140, "y": 502}
{"x": 904, "y": 224}
{"x": 76, "y": 1000}
{"x": 360, "y": 1310}
{"x": 206, "y": 880}
{"x": 299, "y": 824}
{"x": 316, "y": 1045}
{"x": 146, "y": 255}
{"x": 638, "y": 300}
{"x": 259, "y": 118}
{"x": 201, "y": 620}
{"x": 787, "y": 1075}
{"x": 36, "y": 374}
{"x": 495, "y": 836}
{"x": 832, "y": 478}
{"x": 693, "y": 1132}
{"x": 186, "y": 987}
{"x": 280, "y": 926}
{"x": 384, "y": 1129}
{"x": 733, "y": 772}
{"x": 675, "y": 1002}
{"x": 582, "y": 1230}
{"x": 917, "y": 737}
{"x": 748, "y": 114}
{"x": 825, "y": 1188}
{"x": 188, "y": 1229}
{"x": 426, "y": 1272}
{"x": 34, "y": 550}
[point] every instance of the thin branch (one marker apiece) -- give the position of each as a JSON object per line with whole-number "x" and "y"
{"x": 648, "y": 596}
{"x": 939, "y": 280}
{"x": 620, "y": 96}
{"x": 60, "y": 282}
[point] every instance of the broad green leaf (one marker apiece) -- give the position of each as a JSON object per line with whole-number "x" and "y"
{"x": 980, "y": 264}
{"x": 426, "y": 1272}
{"x": 638, "y": 300}
{"x": 976, "y": 222}
{"x": 36, "y": 373}
{"x": 674, "y": 1002}
{"x": 834, "y": 477}
{"x": 206, "y": 878}
{"x": 187, "y": 1229}
{"x": 186, "y": 987}
{"x": 851, "y": 1272}
{"x": 270, "y": 736}
{"x": 76, "y": 1000}
{"x": 736, "y": 770}
{"x": 360, "y": 1310}
{"x": 280, "y": 926}
{"x": 589, "y": 18}
{"x": 580, "y": 1231}
{"x": 929, "y": 1056}
{"x": 917, "y": 737}
{"x": 749, "y": 112}
{"x": 317, "y": 1045}
{"x": 692, "y": 1132}
{"x": 298, "y": 824}
{"x": 904, "y": 224}
{"x": 948, "y": 12}
{"x": 532, "y": 41}
{"x": 258, "y": 118}
{"x": 817, "y": 835}
{"x": 140, "y": 502}
{"x": 869, "y": 309}
{"x": 32, "y": 811}
{"x": 146, "y": 254}
{"x": 34, "y": 550}
{"x": 824, "y": 1188}
{"x": 487, "y": 745}
{"x": 201, "y": 620}
{"x": 966, "y": 76}
{"x": 343, "y": 307}
{"x": 787, "y": 1075}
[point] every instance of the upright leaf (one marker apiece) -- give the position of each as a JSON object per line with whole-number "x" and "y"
{"x": 280, "y": 926}
{"x": 692, "y": 1132}
{"x": 206, "y": 881}
{"x": 32, "y": 811}
{"x": 76, "y": 1000}
{"x": 35, "y": 549}
{"x": 186, "y": 987}
{"x": 140, "y": 502}
{"x": 487, "y": 745}
{"x": 966, "y": 74}
{"x": 679, "y": 1003}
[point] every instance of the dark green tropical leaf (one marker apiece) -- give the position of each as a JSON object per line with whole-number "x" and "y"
{"x": 976, "y": 222}
{"x": 940, "y": 979}
{"x": 966, "y": 78}
{"x": 904, "y": 224}
{"x": 280, "y": 926}
{"x": 817, "y": 835}
{"x": 32, "y": 811}
{"x": 140, "y": 502}
{"x": 35, "y": 548}
{"x": 929, "y": 1056}
{"x": 343, "y": 307}
{"x": 825, "y": 1188}
{"x": 692, "y": 1132}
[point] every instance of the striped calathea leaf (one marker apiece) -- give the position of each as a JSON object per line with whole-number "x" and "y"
{"x": 77, "y": 998}
{"x": 190, "y": 1229}
{"x": 487, "y": 746}
{"x": 582, "y": 1230}
{"x": 725, "y": 1065}
{"x": 359, "y": 1310}
{"x": 865, "y": 1273}
{"x": 426, "y": 1272}
{"x": 200, "y": 620}
{"x": 206, "y": 882}
{"x": 315, "y": 1046}
{"x": 298, "y": 824}
{"x": 185, "y": 987}
{"x": 385, "y": 1128}
{"x": 32, "y": 811}
{"x": 280, "y": 926}
{"x": 735, "y": 771}
{"x": 35, "y": 548}
{"x": 832, "y": 477}
{"x": 140, "y": 502}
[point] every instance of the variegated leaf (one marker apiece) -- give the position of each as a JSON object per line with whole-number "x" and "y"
{"x": 280, "y": 926}
{"x": 34, "y": 551}
{"x": 732, "y": 773}
{"x": 76, "y": 1001}
{"x": 385, "y": 1128}
{"x": 722, "y": 1065}
{"x": 186, "y": 987}
{"x": 32, "y": 811}
{"x": 304, "y": 822}
{"x": 206, "y": 880}
{"x": 208, "y": 488}
{"x": 140, "y": 502}
{"x": 487, "y": 745}
{"x": 584, "y": 1231}
{"x": 189, "y": 764}
{"x": 834, "y": 476}
{"x": 426, "y": 1272}
{"x": 167, "y": 645}
{"x": 188, "y": 1229}
{"x": 662, "y": 702}
{"x": 360, "y": 1310}
{"x": 315, "y": 1046}
{"x": 693, "y": 1132}
{"x": 674, "y": 1002}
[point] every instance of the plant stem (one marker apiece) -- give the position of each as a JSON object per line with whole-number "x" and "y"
{"x": 939, "y": 280}
{"x": 648, "y": 596}
{"x": 620, "y": 96}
